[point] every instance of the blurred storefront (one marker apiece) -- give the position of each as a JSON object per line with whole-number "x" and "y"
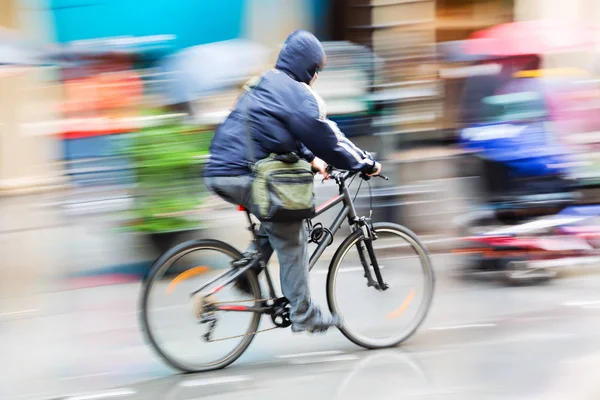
{"x": 411, "y": 95}
{"x": 584, "y": 12}
{"x": 409, "y": 92}
{"x": 36, "y": 100}
{"x": 29, "y": 102}
{"x": 191, "y": 22}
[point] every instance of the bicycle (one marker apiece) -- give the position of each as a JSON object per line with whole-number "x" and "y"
{"x": 208, "y": 312}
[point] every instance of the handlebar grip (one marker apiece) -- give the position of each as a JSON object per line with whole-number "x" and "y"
{"x": 383, "y": 177}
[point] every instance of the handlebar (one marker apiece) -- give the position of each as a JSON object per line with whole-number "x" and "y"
{"x": 340, "y": 175}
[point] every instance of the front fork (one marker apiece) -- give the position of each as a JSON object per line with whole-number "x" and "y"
{"x": 369, "y": 236}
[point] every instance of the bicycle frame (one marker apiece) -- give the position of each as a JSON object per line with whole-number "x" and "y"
{"x": 348, "y": 211}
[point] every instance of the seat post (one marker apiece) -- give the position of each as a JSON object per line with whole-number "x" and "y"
{"x": 251, "y": 225}
{"x": 250, "y": 222}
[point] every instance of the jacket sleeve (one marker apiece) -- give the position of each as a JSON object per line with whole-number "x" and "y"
{"x": 309, "y": 124}
{"x": 305, "y": 153}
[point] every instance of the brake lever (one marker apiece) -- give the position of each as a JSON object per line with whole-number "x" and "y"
{"x": 367, "y": 177}
{"x": 330, "y": 177}
{"x": 329, "y": 170}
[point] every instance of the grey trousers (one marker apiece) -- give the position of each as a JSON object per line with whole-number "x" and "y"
{"x": 288, "y": 239}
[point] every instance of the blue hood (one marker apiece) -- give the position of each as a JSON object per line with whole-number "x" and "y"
{"x": 301, "y": 56}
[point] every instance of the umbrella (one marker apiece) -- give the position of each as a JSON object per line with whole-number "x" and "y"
{"x": 529, "y": 37}
{"x": 199, "y": 70}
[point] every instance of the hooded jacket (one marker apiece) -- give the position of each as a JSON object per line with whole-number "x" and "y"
{"x": 282, "y": 114}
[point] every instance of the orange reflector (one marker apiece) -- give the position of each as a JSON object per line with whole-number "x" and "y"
{"x": 186, "y": 275}
{"x": 479, "y": 250}
{"x": 403, "y": 306}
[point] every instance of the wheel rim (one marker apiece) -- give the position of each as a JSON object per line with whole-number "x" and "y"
{"x": 173, "y": 329}
{"x": 363, "y": 328}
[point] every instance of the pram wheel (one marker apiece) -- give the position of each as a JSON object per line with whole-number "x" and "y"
{"x": 519, "y": 272}
{"x": 508, "y": 271}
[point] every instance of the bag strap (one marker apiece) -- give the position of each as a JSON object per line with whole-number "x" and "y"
{"x": 251, "y": 84}
{"x": 247, "y": 97}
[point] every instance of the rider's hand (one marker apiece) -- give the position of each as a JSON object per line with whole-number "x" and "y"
{"x": 376, "y": 171}
{"x": 320, "y": 166}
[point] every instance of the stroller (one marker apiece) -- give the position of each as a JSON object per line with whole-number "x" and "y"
{"x": 524, "y": 176}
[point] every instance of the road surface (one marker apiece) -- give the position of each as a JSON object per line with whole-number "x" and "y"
{"x": 481, "y": 341}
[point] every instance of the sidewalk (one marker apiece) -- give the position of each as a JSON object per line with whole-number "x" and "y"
{"x": 42, "y": 244}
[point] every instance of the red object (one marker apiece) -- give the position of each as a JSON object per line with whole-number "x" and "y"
{"x": 530, "y": 37}
{"x": 232, "y": 308}
{"x": 86, "y": 134}
{"x": 530, "y": 243}
{"x": 101, "y": 280}
{"x": 328, "y": 202}
{"x": 241, "y": 208}
{"x": 217, "y": 289}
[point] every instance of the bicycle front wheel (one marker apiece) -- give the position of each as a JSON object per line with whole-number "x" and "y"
{"x": 176, "y": 323}
{"x": 378, "y": 319}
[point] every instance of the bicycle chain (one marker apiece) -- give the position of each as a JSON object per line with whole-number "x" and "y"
{"x": 245, "y": 334}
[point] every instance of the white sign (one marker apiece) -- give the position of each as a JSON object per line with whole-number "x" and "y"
{"x": 501, "y": 131}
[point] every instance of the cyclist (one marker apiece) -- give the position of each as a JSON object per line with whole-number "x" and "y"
{"x": 285, "y": 115}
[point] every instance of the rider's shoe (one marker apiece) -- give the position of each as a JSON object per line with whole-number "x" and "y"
{"x": 319, "y": 324}
{"x": 247, "y": 257}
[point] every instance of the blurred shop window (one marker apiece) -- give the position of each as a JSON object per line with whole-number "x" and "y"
{"x": 456, "y": 19}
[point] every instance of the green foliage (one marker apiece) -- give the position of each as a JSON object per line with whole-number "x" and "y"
{"x": 167, "y": 159}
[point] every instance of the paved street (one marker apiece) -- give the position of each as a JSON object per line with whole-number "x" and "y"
{"x": 64, "y": 339}
{"x": 481, "y": 341}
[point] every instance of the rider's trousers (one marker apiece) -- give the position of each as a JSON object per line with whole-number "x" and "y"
{"x": 288, "y": 239}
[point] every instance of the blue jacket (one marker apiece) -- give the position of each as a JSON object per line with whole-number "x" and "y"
{"x": 525, "y": 147}
{"x": 284, "y": 115}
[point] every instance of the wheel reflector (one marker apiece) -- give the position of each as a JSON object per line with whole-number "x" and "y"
{"x": 403, "y": 306}
{"x": 186, "y": 275}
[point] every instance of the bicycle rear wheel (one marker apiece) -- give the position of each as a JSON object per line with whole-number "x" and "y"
{"x": 378, "y": 319}
{"x": 170, "y": 317}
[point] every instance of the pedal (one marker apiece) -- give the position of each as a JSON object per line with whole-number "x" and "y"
{"x": 247, "y": 258}
{"x": 211, "y": 320}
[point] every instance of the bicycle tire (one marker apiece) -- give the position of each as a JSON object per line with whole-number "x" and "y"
{"x": 426, "y": 265}
{"x": 164, "y": 262}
